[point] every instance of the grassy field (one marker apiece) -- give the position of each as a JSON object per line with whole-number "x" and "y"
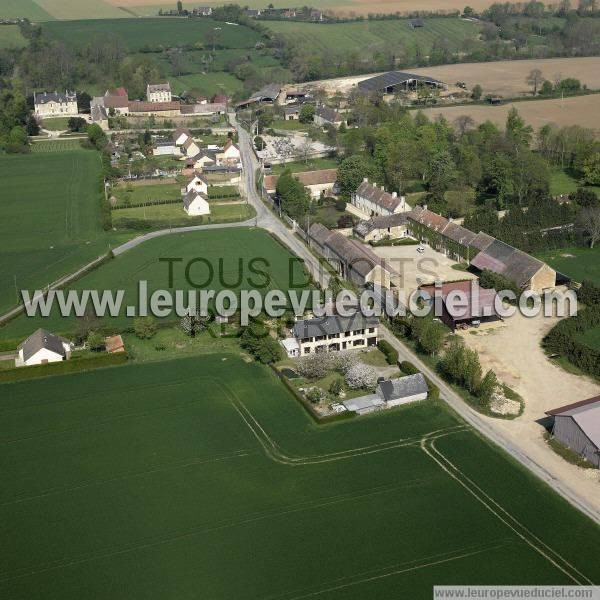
{"x": 314, "y": 164}
{"x": 50, "y": 218}
{"x": 10, "y": 37}
{"x": 204, "y": 476}
{"x": 369, "y": 35}
{"x": 23, "y": 9}
{"x": 577, "y": 263}
{"x": 56, "y": 124}
{"x": 223, "y": 249}
{"x": 137, "y": 195}
{"x": 81, "y": 9}
{"x": 137, "y": 34}
{"x": 207, "y": 84}
{"x": 55, "y": 146}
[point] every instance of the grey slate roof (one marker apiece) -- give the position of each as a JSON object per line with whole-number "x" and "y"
{"x": 481, "y": 241}
{"x": 328, "y": 114}
{"x": 45, "y": 97}
{"x": 397, "y": 389}
{"x": 393, "y": 78}
{"x": 378, "y": 196}
{"x": 331, "y": 325}
{"x": 159, "y": 87}
{"x": 586, "y": 414}
{"x": 190, "y": 197}
{"x": 42, "y": 339}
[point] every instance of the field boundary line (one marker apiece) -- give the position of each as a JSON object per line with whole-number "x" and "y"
{"x": 428, "y": 446}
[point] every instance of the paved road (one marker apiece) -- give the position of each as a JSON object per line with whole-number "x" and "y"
{"x": 265, "y": 218}
{"x": 486, "y": 427}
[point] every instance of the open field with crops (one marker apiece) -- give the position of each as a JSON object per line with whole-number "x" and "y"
{"x": 10, "y": 37}
{"x": 81, "y": 9}
{"x": 225, "y": 252}
{"x": 196, "y": 477}
{"x": 577, "y": 263}
{"x": 367, "y": 36}
{"x": 138, "y": 34}
{"x": 580, "y": 110}
{"x": 50, "y": 222}
{"x": 23, "y": 9}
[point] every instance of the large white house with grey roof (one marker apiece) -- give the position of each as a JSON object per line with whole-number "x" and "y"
{"x": 55, "y": 104}
{"x": 373, "y": 201}
{"x": 42, "y": 347}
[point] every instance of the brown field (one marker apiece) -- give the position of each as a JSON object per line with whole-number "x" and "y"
{"x": 502, "y": 78}
{"x": 580, "y": 110}
{"x": 340, "y": 7}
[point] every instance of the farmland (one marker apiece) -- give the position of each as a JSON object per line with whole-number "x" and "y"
{"x": 55, "y": 146}
{"x": 10, "y": 37}
{"x": 224, "y": 253}
{"x": 50, "y": 218}
{"x": 578, "y": 263}
{"x": 580, "y": 110}
{"x": 195, "y": 476}
{"x": 154, "y": 33}
{"x": 80, "y": 9}
{"x": 23, "y": 9}
{"x": 370, "y": 35}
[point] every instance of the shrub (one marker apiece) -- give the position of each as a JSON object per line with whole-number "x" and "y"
{"x": 408, "y": 368}
{"x": 315, "y": 395}
{"x": 144, "y": 328}
{"x": 257, "y": 340}
{"x": 95, "y": 341}
{"x": 361, "y": 377}
{"x": 391, "y": 354}
{"x": 336, "y": 387}
{"x": 313, "y": 366}
{"x": 343, "y": 361}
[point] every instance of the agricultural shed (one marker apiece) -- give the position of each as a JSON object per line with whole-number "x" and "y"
{"x": 395, "y": 81}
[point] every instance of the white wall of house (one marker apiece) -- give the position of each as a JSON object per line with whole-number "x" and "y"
{"x": 400, "y": 401}
{"x": 159, "y": 96}
{"x": 348, "y": 340}
{"x": 192, "y": 150}
{"x": 171, "y": 150}
{"x": 371, "y": 208}
{"x": 198, "y": 207}
{"x": 316, "y": 189}
{"x": 43, "y": 356}
{"x": 56, "y": 109}
{"x": 183, "y": 137}
{"x": 197, "y": 185}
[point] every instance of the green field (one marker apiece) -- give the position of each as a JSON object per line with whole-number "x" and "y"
{"x": 50, "y": 222}
{"x": 56, "y": 124}
{"x": 137, "y": 33}
{"x": 10, "y": 37}
{"x": 207, "y": 84}
{"x": 365, "y": 36}
{"x": 23, "y": 9}
{"x": 137, "y": 195}
{"x": 314, "y": 164}
{"x": 230, "y": 246}
{"x": 55, "y": 146}
{"x": 577, "y": 263}
{"x": 203, "y": 478}
{"x": 81, "y": 9}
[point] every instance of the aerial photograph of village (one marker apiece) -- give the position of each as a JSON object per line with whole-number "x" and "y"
{"x": 299, "y": 301}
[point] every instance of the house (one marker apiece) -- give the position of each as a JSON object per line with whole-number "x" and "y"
{"x": 395, "y": 392}
{"x": 221, "y": 175}
{"x": 416, "y": 23}
{"x": 479, "y": 306}
{"x": 160, "y": 92}
{"x": 351, "y": 259}
{"x": 196, "y": 204}
{"x": 114, "y": 344}
{"x": 229, "y": 156}
{"x": 364, "y": 405}
{"x": 115, "y": 100}
{"x": 99, "y": 117}
{"x": 190, "y": 148}
{"x": 220, "y": 99}
{"x": 291, "y": 113}
{"x": 327, "y": 116}
{"x": 203, "y": 159}
{"x": 317, "y": 183}
{"x": 203, "y": 11}
{"x": 197, "y": 184}
{"x": 140, "y": 108}
{"x": 266, "y": 95}
{"x": 55, "y": 104}
{"x": 378, "y": 228}
{"x": 371, "y": 201}
{"x": 295, "y": 96}
{"x": 291, "y": 347}
{"x": 42, "y": 347}
{"x": 252, "y": 13}
{"x": 331, "y": 334}
{"x": 181, "y": 135}
{"x": 577, "y": 426}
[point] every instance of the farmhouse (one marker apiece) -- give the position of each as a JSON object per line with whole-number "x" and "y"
{"x": 291, "y": 113}
{"x": 197, "y": 184}
{"x": 181, "y": 135}
{"x": 230, "y": 156}
{"x": 577, "y": 426}
{"x": 196, "y": 204}
{"x": 190, "y": 148}
{"x": 395, "y": 392}
{"x": 54, "y": 104}
{"x": 327, "y": 116}
{"x": 351, "y": 259}
{"x": 378, "y": 228}
{"x": 42, "y": 347}
{"x": 330, "y": 334}
{"x": 116, "y": 99}
{"x": 99, "y": 116}
{"x": 373, "y": 201}
{"x": 397, "y": 81}
{"x": 160, "y": 92}
{"x": 203, "y": 159}
{"x": 479, "y": 306}
{"x": 317, "y": 182}
{"x": 139, "y": 108}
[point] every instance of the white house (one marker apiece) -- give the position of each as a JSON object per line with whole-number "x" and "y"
{"x": 196, "y": 204}
{"x": 330, "y": 334}
{"x": 190, "y": 148}
{"x": 203, "y": 160}
{"x": 54, "y": 104}
{"x": 42, "y": 347}
{"x": 230, "y": 156}
{"x": 291, "y": 347}
{"x": 181, "y": 135}
{"x": 160, "y": 92}
{"x": 372, "y": 201}
{"x": 327, "y": 116}
{"x": 198, "y": 185}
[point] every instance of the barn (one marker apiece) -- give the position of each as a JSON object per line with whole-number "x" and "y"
{"x": 577, "y": 426}
{"x": 397, "y": 81}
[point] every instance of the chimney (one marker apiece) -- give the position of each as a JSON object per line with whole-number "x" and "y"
{"x": 366, "y": 180}
{"x": 394, "y": 194}
{"x": 424, "y": 206}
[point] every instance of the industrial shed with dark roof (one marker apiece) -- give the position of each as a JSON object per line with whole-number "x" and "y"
{"x": 394, "y": 81}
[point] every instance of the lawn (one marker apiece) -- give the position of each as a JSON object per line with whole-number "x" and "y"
{"x": 23, "y": 9}
{"x": 138, "y": 34}
{"x": 228, "y": 252}
{"x": 10, "y": 37}
{"x": 369, "y": 36}
{"x": 577, "y": 263}
{"x": 53, "y": 146}
{"x": 56, "y": 124}
{"x": 314, "y": 164}
{"x": 50, "y": 222}
{"x": 562, "y": 182}
{"x": 290, "y": 125}
{"x": 136, "y": 195}
{"x": 203, "y": 477}
{"x": 207, "y": 84}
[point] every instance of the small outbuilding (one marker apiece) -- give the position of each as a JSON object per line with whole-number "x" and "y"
{"x": 395, "y": 392}
{"x": 577, "y": 426}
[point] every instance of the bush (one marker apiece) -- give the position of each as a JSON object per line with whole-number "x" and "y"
{"x": 391, "y": 354}
{"x": 361, "y": 377}
{"x": 343, "y": 361}
{"x": 144, "y": 328}
{"x": 313, "y": 366}
{"x": 257, "y": 340}
{"x": 315, "y": 395}
{"x": 336, "y": 387}
{"x": 408, "y": 368}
